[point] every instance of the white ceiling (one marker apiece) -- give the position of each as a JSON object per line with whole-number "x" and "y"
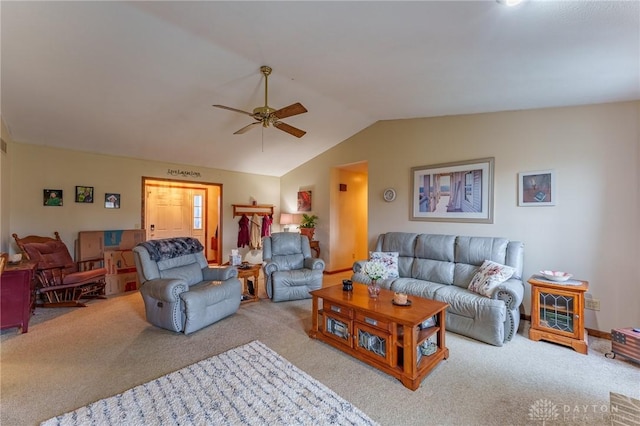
{"x": 138, "y": 79}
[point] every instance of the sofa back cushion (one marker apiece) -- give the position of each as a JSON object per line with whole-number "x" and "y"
{"x": 402, "y": 242}
{"x": 471, "y": 252}
{"x": 187, "y": 267}
{"x": 190, "y": 273}
{"x": 434, "y": 256}
{"x": 434, "y": 271}
{"x": 286, "y": 249}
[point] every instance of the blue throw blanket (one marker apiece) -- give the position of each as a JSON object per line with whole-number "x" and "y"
{"x": 171, "y": 247}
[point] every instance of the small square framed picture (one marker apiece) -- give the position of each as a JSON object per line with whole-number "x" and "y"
{"x": 53, "y": 197}
{"x": 537, "y": 188}
{"x": 111, "y": 200}
{"x": 84, "y": 194}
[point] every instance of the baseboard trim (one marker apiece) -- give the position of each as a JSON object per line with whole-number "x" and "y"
{"x": 337, "y": 271}
{"x": 592, "y": 332}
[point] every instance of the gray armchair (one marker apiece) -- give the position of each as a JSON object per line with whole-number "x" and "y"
{"x": 181, "y": 292}
{"x": 289, "y": 269}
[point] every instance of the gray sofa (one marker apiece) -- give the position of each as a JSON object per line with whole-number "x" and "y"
{"x": 440, "y": 267}
{"x": 180, "y": 291}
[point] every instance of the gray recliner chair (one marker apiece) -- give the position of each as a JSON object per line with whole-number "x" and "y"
{"x": 289, "y": 269}
{"x": 181, "y": 292}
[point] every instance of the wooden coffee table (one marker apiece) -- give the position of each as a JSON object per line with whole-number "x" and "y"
{"x": 379, "y": 333}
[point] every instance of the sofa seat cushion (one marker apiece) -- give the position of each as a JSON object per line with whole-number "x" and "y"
{"x": 415, "y": 287}
{"x": 207, "y": 293}
{"x": 472, "y": 305}
{"x": 84, "y": 276}
{"x": 296, "y": 277}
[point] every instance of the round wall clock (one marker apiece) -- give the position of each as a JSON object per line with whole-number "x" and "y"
{"x": 389, "y": 195}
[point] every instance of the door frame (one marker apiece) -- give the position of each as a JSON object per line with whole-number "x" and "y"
{"x": 212, "y": 206}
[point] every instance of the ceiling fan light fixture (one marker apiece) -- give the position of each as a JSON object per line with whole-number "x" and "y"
{"x": 266, "y": 115}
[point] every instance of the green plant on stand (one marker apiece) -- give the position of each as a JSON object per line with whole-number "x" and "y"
{"x": 308, "y": 225}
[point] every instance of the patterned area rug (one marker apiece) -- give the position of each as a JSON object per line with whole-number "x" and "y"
{"x": 248, "y": 385}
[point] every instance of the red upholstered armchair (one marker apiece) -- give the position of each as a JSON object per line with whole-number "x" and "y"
{"x": 61, "y": 281}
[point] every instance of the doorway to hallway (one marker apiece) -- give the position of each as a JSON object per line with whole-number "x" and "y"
{"x": 176, "y": 208}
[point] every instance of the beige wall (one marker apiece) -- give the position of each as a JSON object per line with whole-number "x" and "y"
{"x": 34, "y": 168}
{"x": 5, "y": 182}
{"x": 592, "y": 232}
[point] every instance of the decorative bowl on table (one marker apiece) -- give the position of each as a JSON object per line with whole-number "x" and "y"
{"x": 556, "y": 275}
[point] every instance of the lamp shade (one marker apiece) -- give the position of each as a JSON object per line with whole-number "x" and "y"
{"x": 286, "y": 218}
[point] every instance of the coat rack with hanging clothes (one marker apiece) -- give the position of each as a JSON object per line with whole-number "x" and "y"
{"x": 251, "y": 228}
{"x": 251, "y": 209}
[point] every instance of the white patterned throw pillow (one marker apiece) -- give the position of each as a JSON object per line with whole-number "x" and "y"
{"x": 389, "y": 259}
{"x": 489, "y": 276}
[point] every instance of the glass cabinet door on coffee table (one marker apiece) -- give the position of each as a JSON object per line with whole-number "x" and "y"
{"x": 373, "y": 338}
{"x": 337, "y": 323}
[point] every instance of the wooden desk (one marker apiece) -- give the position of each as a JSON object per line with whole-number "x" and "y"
{"x": 315, "y": 246}
{"x": 17, "y": 295}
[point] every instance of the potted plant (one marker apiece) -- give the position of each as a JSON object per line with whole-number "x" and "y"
{"x": 308, "y": 225}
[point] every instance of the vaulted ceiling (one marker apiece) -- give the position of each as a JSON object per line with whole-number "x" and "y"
{"x": 138, "y": 79}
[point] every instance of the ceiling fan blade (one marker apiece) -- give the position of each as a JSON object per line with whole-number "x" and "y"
{"x": 288, "y": 111}
{"x": 246, "y": 128}
{"x": 234, "y": 109}
{"x": 289, "y": 129}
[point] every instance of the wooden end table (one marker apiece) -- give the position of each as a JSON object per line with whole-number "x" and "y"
{"x": 245, "y": 273}
{"x": 557, "y": 312}
{"x": 315, "y": 246}
{"x": 379, "y": 333}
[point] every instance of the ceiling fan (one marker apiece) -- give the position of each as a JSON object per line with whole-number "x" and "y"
{"x": 266, "y": 115}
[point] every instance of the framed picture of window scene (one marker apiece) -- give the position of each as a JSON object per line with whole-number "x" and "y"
{"x": 453, "y": 192}
{"x": 537, "y": 188}
{"x": 84, "y": 194}
{"x": 53, "y": 197}
{"x": 111, "y": 200}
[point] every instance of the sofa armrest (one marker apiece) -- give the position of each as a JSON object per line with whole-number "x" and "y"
{"x": 358, "y": 266}
{"x": 219, "y": 273}
{"x": 358, "y": 275}
{"x": 511, "y": 292}
{"x": 167, "y": 290}
{"x": 314, "y": 263}
{"x": 270, "y": 267}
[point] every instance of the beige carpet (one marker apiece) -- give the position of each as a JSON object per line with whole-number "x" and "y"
{"x": 74, "y": 356}
{"x": 238, "y": 387}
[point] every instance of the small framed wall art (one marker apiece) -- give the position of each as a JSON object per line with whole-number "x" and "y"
{"x": 304, "y": 201}
{"x": 84, "y": 194}
{"x": 111, "y": 200}
{"x": 53, "y": 197}
{"x": 537, "y": 188}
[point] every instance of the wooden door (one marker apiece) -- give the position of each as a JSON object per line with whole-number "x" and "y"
{"x": 169, "y": 212}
